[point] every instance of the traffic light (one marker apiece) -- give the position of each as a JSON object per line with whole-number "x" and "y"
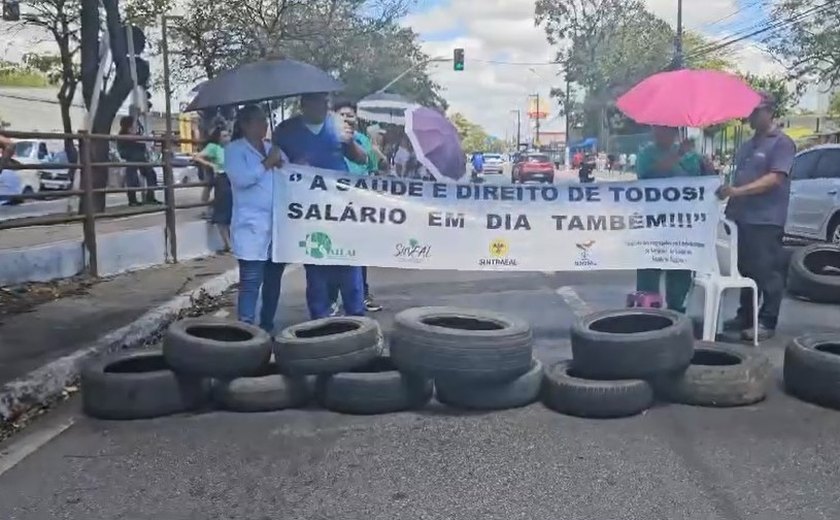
{"x": 458, "y": 59}
{"x": 11, "y": 10}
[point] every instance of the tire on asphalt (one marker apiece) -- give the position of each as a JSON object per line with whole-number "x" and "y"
{"x": 522, "y": 391}
{"x": 461, "y": 344}
{"x": 216, "y": 348}
{"x": 328, "y": 345}
{"x": 568, "y": 393}
{"x": 138, "y": 385}
{"x": 266, "y": 391}
{"x": 720, "y": 375}
{"x": 814, "y": 273}
{"x": 631, "y": 343}
{"x": 812, "y": 369}
{"x": 375, "y": 388}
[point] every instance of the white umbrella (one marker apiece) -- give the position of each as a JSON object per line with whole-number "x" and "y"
{"x": 384, "y": 107}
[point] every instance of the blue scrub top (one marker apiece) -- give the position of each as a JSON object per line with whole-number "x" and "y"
{"x": 321, "y": 150}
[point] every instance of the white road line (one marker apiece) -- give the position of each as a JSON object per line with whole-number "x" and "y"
{"x": 573, "y": 300}
{"x": 28, "y": 444}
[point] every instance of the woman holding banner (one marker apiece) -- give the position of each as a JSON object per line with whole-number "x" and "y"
{"x": 658, "y": 160}
{"x": 249, "y": 162}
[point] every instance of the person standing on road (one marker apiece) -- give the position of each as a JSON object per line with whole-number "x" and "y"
{"x": 659, "y": 160}
{"x": 136, "y": 152}
{"x": 309, "y": 138}
{"x": 758, "y": 204}
{"x": 249, "y": 162}
{"x": 213, "y": 157}
{"x": 346, "y": 110}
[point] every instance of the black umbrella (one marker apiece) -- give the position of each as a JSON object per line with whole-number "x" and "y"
{"x": 262, "y": 81}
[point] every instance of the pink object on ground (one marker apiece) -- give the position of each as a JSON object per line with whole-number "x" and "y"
{"x": 644, "y": 300}
{"x": 692, "y": 98}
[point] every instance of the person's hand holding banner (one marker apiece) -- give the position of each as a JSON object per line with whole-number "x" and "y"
{"x": 274, "y": 159}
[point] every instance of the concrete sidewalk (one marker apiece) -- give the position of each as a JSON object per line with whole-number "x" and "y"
{"x": 41, "y": 350}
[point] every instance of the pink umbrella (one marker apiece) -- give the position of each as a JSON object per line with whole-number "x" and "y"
{"x": 692, "y": 98}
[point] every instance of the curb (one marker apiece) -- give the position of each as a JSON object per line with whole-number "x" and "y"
{"x": 49, "y": 381}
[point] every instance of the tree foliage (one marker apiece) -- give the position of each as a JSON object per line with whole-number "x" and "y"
{"x": 779, "y": 87}
{"x": 808, "y": 39}
{"x": 834, "y": 105}
{"x": 473, "y": 137}
{"x": 358, "y": 40}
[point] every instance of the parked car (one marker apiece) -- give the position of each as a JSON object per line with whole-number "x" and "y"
{"x": 532, "y": 166}
{"x": 814, "y": 210}
{"x": 57, "y": 179}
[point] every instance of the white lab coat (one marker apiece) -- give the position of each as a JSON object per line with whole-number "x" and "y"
{"x": 252, "y": 186}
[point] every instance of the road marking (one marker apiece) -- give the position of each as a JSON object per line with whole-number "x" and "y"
{"x": 573, "y": 300}
{"x": 221, "y": 313}
{"x": 28, "y": 444}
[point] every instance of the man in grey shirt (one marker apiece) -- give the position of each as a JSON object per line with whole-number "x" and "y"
{"x": 758, "y": 204}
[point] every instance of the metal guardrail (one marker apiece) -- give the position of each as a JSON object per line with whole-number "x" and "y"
{"x": 85, "y": 168}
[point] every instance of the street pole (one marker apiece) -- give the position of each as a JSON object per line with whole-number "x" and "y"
{"x": 538, "y": 122}
{"x": 407, "y": 71}
{"x": 568, "y": 120}
{"x": 169, "y": 189}
{"x": 678, "y": 44}
{"x": 518, "y": 127}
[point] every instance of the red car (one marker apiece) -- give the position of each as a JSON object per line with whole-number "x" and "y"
{"x": 532, "y": 167}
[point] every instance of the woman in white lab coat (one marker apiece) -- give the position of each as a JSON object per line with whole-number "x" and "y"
{"x": 250, "y": 163}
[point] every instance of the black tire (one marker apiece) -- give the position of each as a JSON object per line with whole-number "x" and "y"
{"x": 720, "y": 375}
{"x": 632, "y": 343}
{"x": 806, "y": 278}
{"x": 216, "y": 348}
{"x": 522, "y": 391}
{"x": 461, "y": 344}
{"x": 567, "y": 393}
{"x": 328, "y": 345}
{"x": 812, "y": 369}
{"x": 374, "y": 388}
{"x": 267, "y": 391}
{"x": 138, "y": 385}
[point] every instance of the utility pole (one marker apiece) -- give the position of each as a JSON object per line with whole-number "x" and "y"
{"x": 518, "y": 128}
{"x": 678, "y": 43}
{"x": 537, "y": 128}
{"x": 568, "y": 105}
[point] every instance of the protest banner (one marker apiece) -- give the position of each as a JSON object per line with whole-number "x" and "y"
{"x": 327, "y": 217}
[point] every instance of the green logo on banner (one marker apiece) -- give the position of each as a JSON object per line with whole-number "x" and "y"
{"x": 319, "y": 245}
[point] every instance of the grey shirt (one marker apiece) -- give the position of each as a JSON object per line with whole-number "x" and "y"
{"x": 755, "y": 158}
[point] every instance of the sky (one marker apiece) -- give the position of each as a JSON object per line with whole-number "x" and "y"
{"x": 503, "y": 30}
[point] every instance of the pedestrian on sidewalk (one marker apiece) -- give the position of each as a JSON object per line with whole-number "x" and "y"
{"x": 315, "y": 139}
{"x": 213, "y": 157}
{"x": 346, "y": 110}
{"x": 136, "y": 152}
{"x": 250, "y": 163}
{"x": 659, "y": 160}
{"x": 758, "y": 204}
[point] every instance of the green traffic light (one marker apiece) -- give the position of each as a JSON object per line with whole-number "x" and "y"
{"x": 459, "y": 66}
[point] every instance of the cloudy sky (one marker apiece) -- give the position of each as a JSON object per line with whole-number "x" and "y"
{"x": 493, "y": 31}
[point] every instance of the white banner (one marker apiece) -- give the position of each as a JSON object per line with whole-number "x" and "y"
{"x": 327, "y": 217}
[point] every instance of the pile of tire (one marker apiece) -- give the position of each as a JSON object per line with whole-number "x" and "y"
{"x": 478, "y": 359}
{"x": 623, "y": 359}
{"x": 229, "y": 365}
{"x": 814, "y": 273}
{"x": 812, "y": 369}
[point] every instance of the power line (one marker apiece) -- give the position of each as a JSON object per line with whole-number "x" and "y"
{"x": 731, "y": 15}
{"x": 775, "y": 26}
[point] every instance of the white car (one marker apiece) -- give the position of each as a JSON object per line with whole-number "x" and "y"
{"x": 814, "y": 210}
{"x": 494, "y": 164}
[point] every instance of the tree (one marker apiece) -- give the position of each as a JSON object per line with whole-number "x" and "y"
{"x": 700, "y": 53}
{"x": 806, "y": 39}
{"x": 834, "y": 105}
{"x": 473, "y": 137}
{"x": 786, "y": 98}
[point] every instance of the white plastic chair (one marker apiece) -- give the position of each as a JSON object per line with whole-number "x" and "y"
{"x": 722, "y": 277}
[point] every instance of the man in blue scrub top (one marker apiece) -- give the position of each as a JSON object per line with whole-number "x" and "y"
{"x": 310, "y": 139}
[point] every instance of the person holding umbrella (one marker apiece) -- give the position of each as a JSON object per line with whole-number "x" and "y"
{"x": 658, "y": 160}
{"x": 310, "y": 139}
{"x": 250, "y": 162}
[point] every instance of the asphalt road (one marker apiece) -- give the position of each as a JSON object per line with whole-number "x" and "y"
{"x": 778, "y": 460}
{"x": 37, "y": 208}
